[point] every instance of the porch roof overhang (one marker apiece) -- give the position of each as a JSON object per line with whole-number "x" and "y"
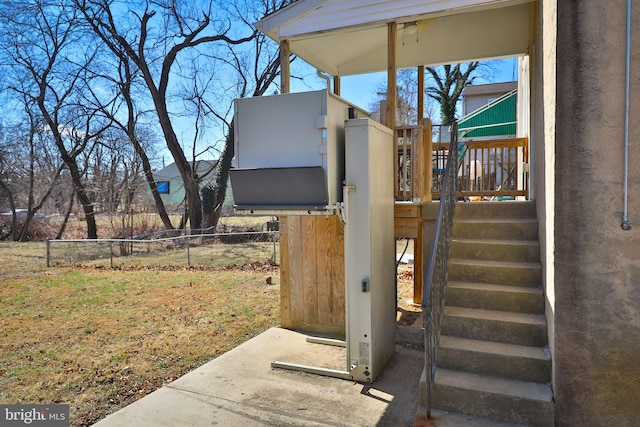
{"x": 349, "y": 37}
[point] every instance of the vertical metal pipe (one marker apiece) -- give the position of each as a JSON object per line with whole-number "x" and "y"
{"x": 273, "y": 237}
{"x": 625, "y": 214}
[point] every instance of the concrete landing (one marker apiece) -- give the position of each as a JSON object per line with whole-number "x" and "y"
{"x": 240, "y": 388}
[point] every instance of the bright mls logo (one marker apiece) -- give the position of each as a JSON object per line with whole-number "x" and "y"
{"x": 34, "y": 415}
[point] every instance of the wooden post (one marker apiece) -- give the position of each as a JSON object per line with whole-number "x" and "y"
{"x": 285, "y": 275}
{"x": 285, "y": 70}
{"x": 418, "y": 264}
{"x": 426, "y": 147}
{"x": 392, "y": 83}
{"x": 392, "y": 95}
{"x": 336, "y": 85}
{"x": 424, "y": 155}
{"x": 288, "y": 301}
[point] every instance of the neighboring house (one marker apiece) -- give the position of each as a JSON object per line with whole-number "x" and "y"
{"x": 491, "y": 112}
{"x": 491, "y": 115}
{"x": 477, "y": 96}
{"x": 171, "y": 187}
{"x": 583, "y": 129}
{"x": 486, "y": 106}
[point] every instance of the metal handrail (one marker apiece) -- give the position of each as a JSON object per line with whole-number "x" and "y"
{"x": 436, "y": 273}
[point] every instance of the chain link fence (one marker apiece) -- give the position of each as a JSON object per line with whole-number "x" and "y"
{"x": 206, "y": 250}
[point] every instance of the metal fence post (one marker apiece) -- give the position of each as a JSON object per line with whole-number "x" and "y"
{"x": 48, "y": 253}
{"x": 273, "y": 237}
{"x": 111, "y": 253}
{"x": 188, "y": 253}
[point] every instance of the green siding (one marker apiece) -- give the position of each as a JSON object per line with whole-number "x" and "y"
{"x": 498, "y": 118}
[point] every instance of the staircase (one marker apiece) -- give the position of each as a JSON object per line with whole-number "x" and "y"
{"x": 493, "y": 360}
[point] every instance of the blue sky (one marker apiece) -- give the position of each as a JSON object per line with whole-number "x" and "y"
{"x": 360, "y": 89}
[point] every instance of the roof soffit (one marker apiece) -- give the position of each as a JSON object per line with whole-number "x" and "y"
{"x": 488, "y": 33}
{"x": 305, "y": 17}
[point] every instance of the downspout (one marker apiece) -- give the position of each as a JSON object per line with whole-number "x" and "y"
{"x": 326, "y": 79}
{"x": 625, "y": 215}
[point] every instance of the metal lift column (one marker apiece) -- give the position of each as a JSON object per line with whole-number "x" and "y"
{"x": 369, "y": 248}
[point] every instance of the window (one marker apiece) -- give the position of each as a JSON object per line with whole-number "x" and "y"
{"x": 163, "y": 187}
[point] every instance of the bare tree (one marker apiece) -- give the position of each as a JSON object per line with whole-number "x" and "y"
{"x": 6, "y": 176}
{"x": 407, "y": 102}
{"x": 30, "y": 169}
{"x": 42, "y": 41}
{"x": 448, "y": 83}
{"x": 256, "y": 71}
{"x": 116, "y": 175}
{"x": 155, "y": 51}
{"x": 125, "y": 115}
{"x": 43, "y": 171}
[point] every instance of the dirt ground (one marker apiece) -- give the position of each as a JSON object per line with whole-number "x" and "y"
{"x": 408, "y": 312}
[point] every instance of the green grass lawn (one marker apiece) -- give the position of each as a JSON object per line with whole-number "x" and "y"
{"x": 99, "y": 338}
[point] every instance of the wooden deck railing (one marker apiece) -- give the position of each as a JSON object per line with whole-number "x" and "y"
{"x": 412, "y": 160}
{"x": 490, "y": 168}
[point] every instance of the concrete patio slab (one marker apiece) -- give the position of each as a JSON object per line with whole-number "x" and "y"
{"x": 241, "y": 388}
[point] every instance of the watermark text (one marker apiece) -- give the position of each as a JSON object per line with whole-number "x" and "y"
{"x": 34, "y": 415}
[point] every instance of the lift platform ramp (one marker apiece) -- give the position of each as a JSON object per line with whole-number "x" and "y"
{"x": 354, "y": 155}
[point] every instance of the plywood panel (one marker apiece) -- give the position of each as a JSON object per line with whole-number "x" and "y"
{"x": 285, "y": 275}
{"x": 406, "y": 210}
{"x": 337, "y": 273}
{"x": 324, "y": 274}
{"x": 310, "y": 268}
{"x": 407, "y": 220}
{"x": 406, "y": 228}
{"x": 312, "y": 274}
{"x": 296, "y": 290}
{"x": 418, "y": 265}
{"x": 337, "y": 279}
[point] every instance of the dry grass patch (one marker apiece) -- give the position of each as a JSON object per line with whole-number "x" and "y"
{"x": 99, "y": 339}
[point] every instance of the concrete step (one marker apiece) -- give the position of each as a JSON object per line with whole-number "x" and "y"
{"x": 514, "y": 401}
{"x": 496, "y": 250}
{"x": 495, "y": 228}
{"x": 504, "y": 209}
{"x": 492, "y": 360}
{"x": 490, "y": 296}
{"x": 496, "y": 326}
{"x": 499, "y": 272}
{"x": 411, "y": 335}
{"x": 510, "y": 361}
{"x": 455, "y": 419}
